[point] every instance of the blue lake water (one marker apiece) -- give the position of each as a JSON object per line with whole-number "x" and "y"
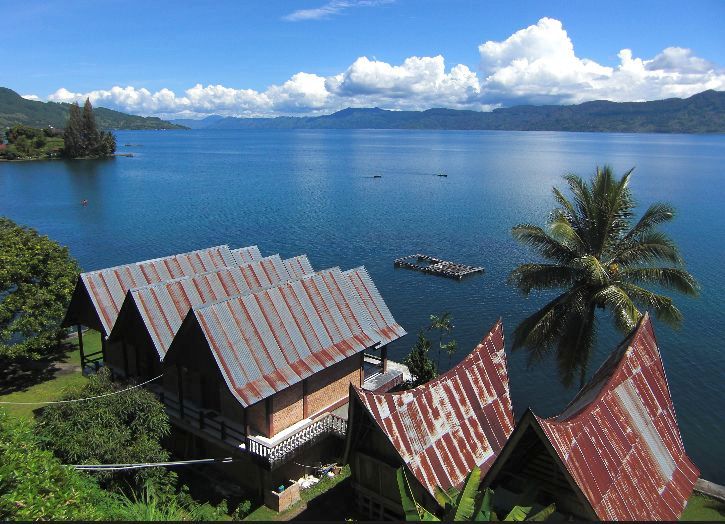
{"x": 293, "y": 192}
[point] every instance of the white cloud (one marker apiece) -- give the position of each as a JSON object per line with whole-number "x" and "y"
{"x": 537, "y": 64}
{"x": 331, "y": 8}
{"x": 31, "y": 97}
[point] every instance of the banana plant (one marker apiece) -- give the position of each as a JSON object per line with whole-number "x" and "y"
{"x": 468, "y": 504}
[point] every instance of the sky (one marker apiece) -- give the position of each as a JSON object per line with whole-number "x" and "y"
{"x": 251, "y": 58}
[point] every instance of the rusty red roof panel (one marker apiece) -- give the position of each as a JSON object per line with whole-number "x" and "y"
{"x": 619, "y": 437}
{"x": 164, "y": 306}
{"x": 461, "y": 419}
{"x": 245, "y": 255}
{"x": 387, "y": 328}
{"x": 268, "y": 340}
{"x": 107, "y": 288}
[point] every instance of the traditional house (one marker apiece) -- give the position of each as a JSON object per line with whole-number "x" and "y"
{"x": 438, "y": 431}
{"x": 615, "y": 452}
{"x": 99, "y": 295}
{"x": 151, "y": 315}
{"x": 265, "y": 375}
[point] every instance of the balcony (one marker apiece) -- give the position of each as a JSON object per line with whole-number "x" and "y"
{"x": 272, "y": 452}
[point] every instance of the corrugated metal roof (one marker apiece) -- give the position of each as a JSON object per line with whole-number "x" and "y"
{"x": 164, "y": 306}
{"x": 619, "y": 437}
{"x": 387, "y": 328}
{"x": 245, "y": 255}
{"x": 298, "y": 266}
{"x": 266, "y": 341}
{"x": 462, "y": 419}
{"x": 107, "y": 287}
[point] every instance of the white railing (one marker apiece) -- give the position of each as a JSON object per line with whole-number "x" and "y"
{"x": 328, "y": 424}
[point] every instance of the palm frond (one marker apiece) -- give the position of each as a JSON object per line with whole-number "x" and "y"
{"x": 576, "y": 340}
{"x": 625, "y": 313}
{"x": 655, "y": 215}
{"x": 667, "y": 277}
{"x": 540, "y": 332}
{"x": 542, "y": 276}
{"x": 544, "y": 244}
{"x": 663, "y": 307}
{"x": 648, "y": 247}
{"x": 594, "y": 272}
{"x": 562, "y": 229}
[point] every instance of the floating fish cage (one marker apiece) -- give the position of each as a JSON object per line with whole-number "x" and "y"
{"x": 436, "y": 266}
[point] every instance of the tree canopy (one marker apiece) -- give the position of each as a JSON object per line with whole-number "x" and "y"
{"x": 125, "y": 428}
{"x": 35, "y": 486}
{"x": 37, "y": 277}
{"x": 82, "y": 137}
{"x": 419, "y": 363}
{"x": 602, "y": 259}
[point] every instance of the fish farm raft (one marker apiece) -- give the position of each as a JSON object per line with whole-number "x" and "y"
{"x": 436, "y": 266}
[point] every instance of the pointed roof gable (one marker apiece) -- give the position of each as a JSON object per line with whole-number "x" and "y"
{"x": 619, "y": 440}
{"x": 107, "y": 287}
{"x": 164, "y": 306}
{"x": 385, "y": 325}
{"x": 462, "y": 419}
{"x": 266, "y": 341}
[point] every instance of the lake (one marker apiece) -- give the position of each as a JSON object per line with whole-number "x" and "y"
{"x": 313, "y": 192}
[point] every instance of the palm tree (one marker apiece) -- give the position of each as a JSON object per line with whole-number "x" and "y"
{"x": 444, "y": 325}
{"x": 601, "y": 260}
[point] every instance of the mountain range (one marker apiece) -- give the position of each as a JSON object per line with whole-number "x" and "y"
{"x": 700, "y": 113}
{"x": 14, "y": 109}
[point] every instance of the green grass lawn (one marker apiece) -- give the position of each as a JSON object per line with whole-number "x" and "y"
{"x": 703, "y": 508}
{"x": 62, "y": 380}
{"x": 263, "y": 513}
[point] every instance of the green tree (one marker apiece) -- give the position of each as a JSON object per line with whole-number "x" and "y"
{"x": 125, "y": 428}
{"x": 444, "y": 325}
{"x": 72, "y": 136}
{"x": 419, "y": 363}
{"x": 601, "y": 259}
{"x": 90, "y": 136}
{"x": 35, "y": 486}
{"x": 37, "y": 277}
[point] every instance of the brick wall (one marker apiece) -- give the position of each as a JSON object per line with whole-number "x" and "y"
{"x": 287, "y": 408}
{"x": 332, "y": 384}
{"x": 257, "y": 418}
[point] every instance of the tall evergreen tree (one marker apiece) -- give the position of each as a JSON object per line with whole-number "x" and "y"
{"x": 89, "y": 131}
{"x": 73, "y": 141}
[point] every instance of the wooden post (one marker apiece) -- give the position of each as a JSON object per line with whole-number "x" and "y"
{"x": 180, "y": 389}
{"x": 268, "y": 414}
{"x": 103, "y": 348}
{"x": 304, "y": 398}
{"x": 80, "y": 346}
{"x": 384, "y": 356}
{"x": 125, "y": 356}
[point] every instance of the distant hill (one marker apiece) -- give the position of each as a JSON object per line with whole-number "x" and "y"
{"x": 14, "y": 109}
{"x": 701, "y": 113}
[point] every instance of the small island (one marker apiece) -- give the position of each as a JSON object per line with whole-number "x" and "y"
{"x": 80, "y": 139}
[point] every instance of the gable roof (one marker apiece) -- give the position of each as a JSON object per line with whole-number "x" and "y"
{"x": 164, "y": 306}
{"x": 385, "y": 325}
{"x": 619, "y": 440}
{"x": 462, "y": 419}
{"x": 107, "y": 287}
{"x": 266, "y": 341}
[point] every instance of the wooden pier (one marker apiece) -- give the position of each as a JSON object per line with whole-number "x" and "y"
{"x": 436, "y": 266}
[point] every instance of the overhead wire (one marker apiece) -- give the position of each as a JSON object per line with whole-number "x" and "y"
{"x": 173, "y": 463}
{"x": 81, "y": 399}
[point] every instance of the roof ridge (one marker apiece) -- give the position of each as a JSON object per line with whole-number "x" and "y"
{"x": 625, "y": 347}
{"x": 153, "y": 259}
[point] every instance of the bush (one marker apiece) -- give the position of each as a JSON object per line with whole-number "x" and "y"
{"x": 35, "y": 486}
{"x": 126, "y": 428}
